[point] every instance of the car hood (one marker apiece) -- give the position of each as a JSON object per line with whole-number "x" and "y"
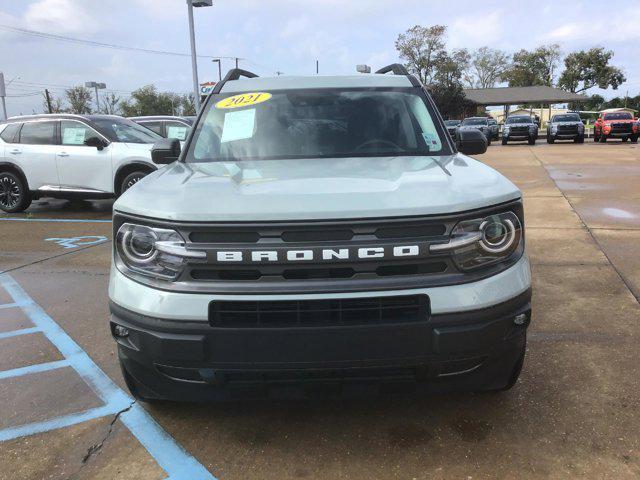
{"x": 521, "y": 125}
{"x": 472, "y": 127}
{"x": 335, "y": 188}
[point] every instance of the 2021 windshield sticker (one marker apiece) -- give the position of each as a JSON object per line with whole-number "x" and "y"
{"x": 243, "y": 100}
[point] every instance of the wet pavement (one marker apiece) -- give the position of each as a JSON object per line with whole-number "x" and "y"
{"x": 573, "y": 413}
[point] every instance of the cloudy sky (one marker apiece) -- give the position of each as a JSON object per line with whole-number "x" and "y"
{"x": 281, "y": 35}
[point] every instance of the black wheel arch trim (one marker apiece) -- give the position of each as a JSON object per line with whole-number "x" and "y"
{"x": 116, "y": 178}
{"x": 15, "y": 167}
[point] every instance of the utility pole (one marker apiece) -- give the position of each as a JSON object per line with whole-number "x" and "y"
{"x": 3, "y": 93}
{"x": 46, "y": 94}
{"x": 279, "y": 73}
{"x": 317, "y": 67}
{"x": 237, "y": 62}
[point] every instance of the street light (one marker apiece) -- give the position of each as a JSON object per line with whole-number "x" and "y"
{"x": 217, "y": 60}
{"x": 192, "y": 36}
{"x": 96, "y": 86}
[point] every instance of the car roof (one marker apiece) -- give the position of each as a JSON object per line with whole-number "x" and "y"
{"x": 316, "y": 81}
{"x": 159, "y": 117}
{"x": 57, "y": 116}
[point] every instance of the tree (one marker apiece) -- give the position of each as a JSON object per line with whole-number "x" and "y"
{"x": 535, "y": 67}
{"x": 446, "y": 87}
{"x": 187, "y": 104}
{"x": 587, "y": 69}
{"x": 419, "y": 47}
{"x": 79, "y": 99}
{"x": 57, "y": 105}
{"x": 110, "y": 104}
{"x": 148, "y": 101}
{"x": 485, "y": 67}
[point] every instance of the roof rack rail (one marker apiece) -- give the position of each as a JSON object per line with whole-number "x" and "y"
{"x": 233, "y": 74}
{"x": 396, "y": 68}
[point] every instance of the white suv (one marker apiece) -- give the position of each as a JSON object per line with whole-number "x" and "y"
{"x": 70, "y": 156}
{"x": 321, "y": 231}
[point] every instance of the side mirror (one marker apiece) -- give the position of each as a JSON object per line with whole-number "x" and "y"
{"x": 471, "y": 142}
{"x": 165, "y": 151}
{"x": 95, "y": 142}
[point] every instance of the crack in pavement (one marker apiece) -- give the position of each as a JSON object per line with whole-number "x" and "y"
{"x": 96, "y": 447}
{"x": 35, "y": 262}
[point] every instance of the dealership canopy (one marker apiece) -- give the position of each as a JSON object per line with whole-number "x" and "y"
{"x": 520, "y": 95}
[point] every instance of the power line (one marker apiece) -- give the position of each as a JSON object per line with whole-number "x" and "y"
{"x": 80, "y": 41}
{"x": 93, "y": 43}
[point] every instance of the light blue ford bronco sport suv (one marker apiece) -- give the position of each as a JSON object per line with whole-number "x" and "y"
{"x": 319, "y": 234}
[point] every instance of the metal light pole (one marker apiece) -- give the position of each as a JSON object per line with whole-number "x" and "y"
{"x": 218, "y": 61}
{"x": 192, "y": 37}
{"x": 96, "y": 86}
{"x": 3, "y": 93}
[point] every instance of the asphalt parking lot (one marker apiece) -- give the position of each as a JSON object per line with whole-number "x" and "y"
{"x": 573, "y": 413}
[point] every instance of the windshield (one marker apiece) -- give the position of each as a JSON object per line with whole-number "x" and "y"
{"x": 618, "y": 116}
{"x": 474, "y": 121}
{"x": 452, "y": 123}
{"x": 519, "y": 120}
{"x": 316, "y": 124}
{"x": 492, "y": 121}
{"x": 566, "y": 118}
{"x": 123, "y": 130}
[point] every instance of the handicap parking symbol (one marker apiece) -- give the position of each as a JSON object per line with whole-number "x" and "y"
{"x": 74, "y": 242}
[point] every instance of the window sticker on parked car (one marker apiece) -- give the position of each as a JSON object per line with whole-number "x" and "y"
{"x": 243, "y": 100}
{"x": 432, "y": 140}
{"x": 73, "y": 136}
{"x": 238, "y": 125}
{"x": 174, "y": 131}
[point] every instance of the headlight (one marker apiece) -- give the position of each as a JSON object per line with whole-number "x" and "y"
{"x": 506, "y": 129}
{"x": 484, "y": 241}
{"x": 554, "y": 128}
{"x": 152, "y": 252}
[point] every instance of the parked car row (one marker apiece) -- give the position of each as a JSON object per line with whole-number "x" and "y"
{"x": 566, "y": 126}
{"x": 78, "y": 156}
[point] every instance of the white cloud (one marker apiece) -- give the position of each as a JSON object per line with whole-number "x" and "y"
{"x": 295, "y": 27}
{"x": 476, "y": 31}
{"x": 595, "y": 31}
{"x": 61, "y": 16}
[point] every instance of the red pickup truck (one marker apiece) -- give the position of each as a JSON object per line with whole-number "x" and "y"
{"x": 615, "y": 125}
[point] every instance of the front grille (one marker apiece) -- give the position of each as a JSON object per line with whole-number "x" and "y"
{"x": 621, "y": 127}
{"x": 328, "y": 269}
{"x": 567, "y": 129}
{"x": 519, "y": 130}
{"x": 308, "y": 313}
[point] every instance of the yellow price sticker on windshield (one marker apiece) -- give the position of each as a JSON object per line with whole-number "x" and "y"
{"x": 243, "y": 100}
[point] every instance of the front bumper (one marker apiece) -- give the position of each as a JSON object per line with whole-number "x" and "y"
{"x": 187, "y": 359}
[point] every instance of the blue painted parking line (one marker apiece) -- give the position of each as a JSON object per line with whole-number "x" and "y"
{"x": 15, "y": 333}
{"x": 56, "y": 423}
{"x": 171, "y": 457}
{"x": 61, "y": 220}
{"x": 10, "y": 305}
{"x": 37, "y": 368}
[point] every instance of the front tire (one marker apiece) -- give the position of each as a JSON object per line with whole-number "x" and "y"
{"x": 504, "y": 141}
{"x": 625, "y": 139}
{"x": 579, "y": 139}
{"x": 131, "y": 179}
{"x": 14, "y": 193}
{"x": 603, "y": 138}
{"x": 531, "y": 141}
{"x": 634, "y": 138}
{"x": 550, "y": 140}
